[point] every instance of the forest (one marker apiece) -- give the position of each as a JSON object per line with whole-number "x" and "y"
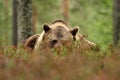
{"x": 98, "y": 20}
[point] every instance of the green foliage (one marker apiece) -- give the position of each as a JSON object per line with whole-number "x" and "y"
{"x": 93, "y": 16}
{"x": 5, "y": 21}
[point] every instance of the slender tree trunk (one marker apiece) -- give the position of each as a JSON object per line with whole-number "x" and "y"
{"x": 116, "y": 28}
{"x": 5, "y": 2}
{"x": 14, "y": 29}
{"x": 65, "y": 10}
{"x": 34, "y": 17}
{"x": 25, "y": 28}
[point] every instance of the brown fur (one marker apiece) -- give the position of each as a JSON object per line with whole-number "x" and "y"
{"x": 31, "y": 41}
{"x": 55, "y": 37}
{"x": 60, "y": 21}
{"x": 84, "y": 43}
{"x": 57, "y": 33}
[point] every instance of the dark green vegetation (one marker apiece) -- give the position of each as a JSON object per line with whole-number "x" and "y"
{"x": 17, "y": 64}
{"x": 93, "y": 16}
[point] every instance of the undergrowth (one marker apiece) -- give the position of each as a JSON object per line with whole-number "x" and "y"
{"x": 96, "y": 64}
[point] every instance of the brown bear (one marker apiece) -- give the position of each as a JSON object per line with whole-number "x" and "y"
{"x": 57, "y": 34}
{"x": 54, "y": 35}
{"x": 83, "y": 43}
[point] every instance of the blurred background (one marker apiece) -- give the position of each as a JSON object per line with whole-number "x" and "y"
{"x": 98, "y": 19}
{"x": 94, "y": 17}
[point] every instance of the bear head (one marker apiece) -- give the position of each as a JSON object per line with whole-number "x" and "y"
{"x": 54, "y": 35}
{"x": 57, "y": 36}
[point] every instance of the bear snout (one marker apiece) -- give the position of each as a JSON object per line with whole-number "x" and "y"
{"x": 58, "y": 45}
{"x": 55, "y": 44}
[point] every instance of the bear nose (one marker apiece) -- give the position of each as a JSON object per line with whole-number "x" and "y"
{"x": 52, "y": 43}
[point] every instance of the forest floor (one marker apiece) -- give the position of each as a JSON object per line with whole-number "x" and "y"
{"x": 17, "y": 64}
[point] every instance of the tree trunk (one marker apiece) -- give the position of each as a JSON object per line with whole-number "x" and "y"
{"x": 116, "y": 28}
{"x": 14, "y": 29}
{"x": 65, "y": 10}
{"x": 25, "y": 28}
{"x": 34, "y": 17}
{"x": 5, "y": 3}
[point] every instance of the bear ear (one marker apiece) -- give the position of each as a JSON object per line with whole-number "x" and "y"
{"x": 31, "y": 41}
{"x": 46, "y": 27}
{"x": 74, "y": 31}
